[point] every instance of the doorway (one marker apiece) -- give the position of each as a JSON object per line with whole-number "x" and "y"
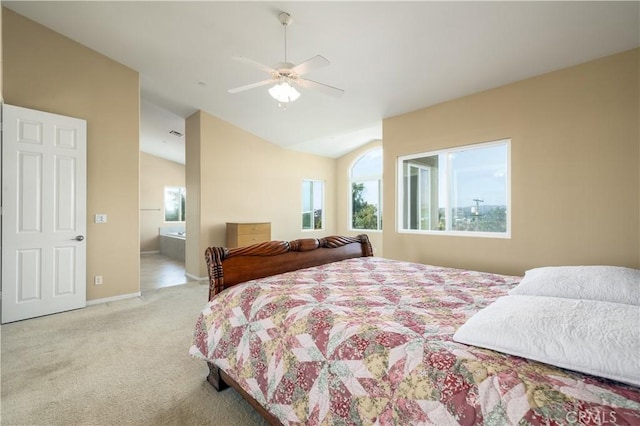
{"x": 158, "y": 271}
{"x": 162, "y": 197}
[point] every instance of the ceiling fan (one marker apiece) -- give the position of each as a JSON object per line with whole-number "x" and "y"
{"x": 285, "y": 74}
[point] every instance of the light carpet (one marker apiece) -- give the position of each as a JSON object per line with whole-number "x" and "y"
{"x": 117, "y": 363}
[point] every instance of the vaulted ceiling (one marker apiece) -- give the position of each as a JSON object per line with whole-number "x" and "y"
{"x": 389, "y": 57}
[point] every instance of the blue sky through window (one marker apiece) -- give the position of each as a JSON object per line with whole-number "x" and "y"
{"x": 479, "y": 173}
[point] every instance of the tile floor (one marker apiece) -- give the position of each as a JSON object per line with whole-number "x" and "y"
{"x": 157, "y": 271}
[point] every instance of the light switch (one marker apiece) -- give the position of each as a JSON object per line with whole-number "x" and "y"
{"x": 101, "y": 218}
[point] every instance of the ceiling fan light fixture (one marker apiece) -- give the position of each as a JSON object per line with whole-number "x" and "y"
{"x": 284, "y": 92}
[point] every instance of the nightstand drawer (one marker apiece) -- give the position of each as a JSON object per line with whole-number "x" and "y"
{"x": 254, "y": 228}
{"x": 247, "y": 240}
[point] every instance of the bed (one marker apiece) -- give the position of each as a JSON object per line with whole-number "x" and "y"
{"x": 320, "y": 332}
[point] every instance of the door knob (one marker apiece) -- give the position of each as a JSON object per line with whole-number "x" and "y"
{"x": 79, "y": 238}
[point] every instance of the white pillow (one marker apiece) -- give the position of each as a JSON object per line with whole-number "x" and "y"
{"x": 593, "y": 337}
{"x": 605, "y": 283}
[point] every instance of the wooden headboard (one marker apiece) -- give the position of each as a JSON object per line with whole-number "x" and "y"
{"x": 228, "y": 267}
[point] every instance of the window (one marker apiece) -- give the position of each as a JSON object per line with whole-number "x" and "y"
{"x": 366, "y": 191}
{"x": 312, "y": 204}
{"x": 174, "y": 204}
{"x": 460, "y": 191}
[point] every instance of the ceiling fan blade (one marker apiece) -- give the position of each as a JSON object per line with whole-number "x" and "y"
{"x": 311, "y": 64}
{"x": 255, "y": 64}
{"x": 250, "y": 86}
{"x": 325, "y": 88}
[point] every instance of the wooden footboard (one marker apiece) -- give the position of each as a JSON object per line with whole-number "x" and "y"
{"x": 228, "y": 267}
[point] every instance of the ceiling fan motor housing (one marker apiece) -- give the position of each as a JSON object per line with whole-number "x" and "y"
{"x": 285, "y": 18}
{"x": 283, "y": 67}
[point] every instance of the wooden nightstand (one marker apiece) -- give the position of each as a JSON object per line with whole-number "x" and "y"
{"x": 246, "y": 234}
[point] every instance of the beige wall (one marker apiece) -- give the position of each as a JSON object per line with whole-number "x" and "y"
{"x": 46, "y": 71}
{"x": 343, "y": 197}
{"x": 1, "y": 56}
{"x": 244, "y": 179}
{"x": 155, "y": 174}
{"x": 575, "y": 187}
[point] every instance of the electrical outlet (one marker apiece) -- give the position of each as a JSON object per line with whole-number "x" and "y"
{"x": 100, "y": 218}
{"x": 97, "y": 280}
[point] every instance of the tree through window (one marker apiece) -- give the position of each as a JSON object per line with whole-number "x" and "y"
{"x": 174, "y": 204}
{"x": 366, "y": 191}
{"x": 312, "y": 204}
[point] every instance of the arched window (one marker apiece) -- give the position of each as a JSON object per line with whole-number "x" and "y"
{"x": 366, "y": 191}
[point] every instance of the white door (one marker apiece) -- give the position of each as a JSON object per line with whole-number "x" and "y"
{"x": 43, "y": 213}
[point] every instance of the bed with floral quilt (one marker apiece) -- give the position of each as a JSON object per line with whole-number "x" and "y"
{"x": 370, "y": 341}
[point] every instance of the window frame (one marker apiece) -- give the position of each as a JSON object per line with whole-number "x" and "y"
{"x": 313, "y": 207}
{"x": 420, "y": 168}
{"x": 366, "y": 178}
{"x": 445, "y": 186}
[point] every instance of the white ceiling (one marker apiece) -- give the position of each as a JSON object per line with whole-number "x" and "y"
{"x": 389, "y": 57}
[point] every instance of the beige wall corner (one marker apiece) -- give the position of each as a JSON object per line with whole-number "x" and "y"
{"x": 246, "y": 179}
{"x": 155, "y": 174}
{"x": 343, "y": 197}
{"x": 574, "y": 151}
{"x": 193, "y": 256}
{"x": 45, "y": 71}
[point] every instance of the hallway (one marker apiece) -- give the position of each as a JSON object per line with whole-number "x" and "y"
{"x": 157, "y": 271}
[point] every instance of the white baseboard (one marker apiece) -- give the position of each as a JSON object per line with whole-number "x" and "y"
{"x": 150, "y": 252}
{"x": 112, "y": 299}
{"x": 193, "y": 277}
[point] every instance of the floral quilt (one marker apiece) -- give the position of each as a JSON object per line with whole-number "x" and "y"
{"x": 368, "y": 341}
